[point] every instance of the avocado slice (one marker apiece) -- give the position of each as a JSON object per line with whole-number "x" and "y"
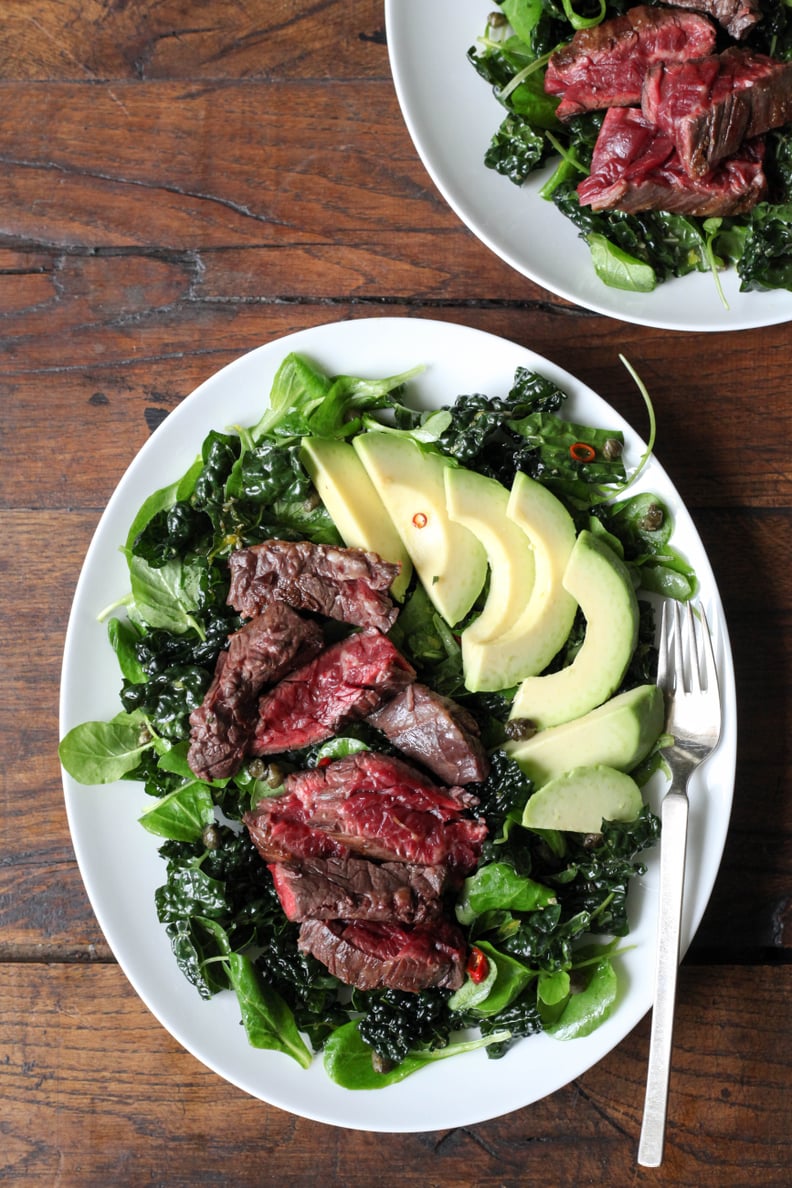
{"x": 581, "y": 799}
{"x": 548, "y": 610}
{"x": 479, "y": 503}
{"x": 449, "y": 560}
{"x": 353, "y": 503}
{"x": 599, "y": 581}
{"x": 620, "y": 733}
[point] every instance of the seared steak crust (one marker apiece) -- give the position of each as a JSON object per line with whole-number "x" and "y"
{"x": 604, "y": 66}
{"x": 356, "y": 889}
{"x": 371, "y": 955}
{"x": 737, "y": 17}
{"x": 346, "y": 682}
{"x": 710, "y": 107}
{"x": 260, "y": 653}
{"x": 635, "y": 167}
{"x": 437, "y": 732}
{"x": 346, "y": 584}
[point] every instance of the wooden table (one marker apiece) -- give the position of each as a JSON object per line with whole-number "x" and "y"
{"x": 181, "y": 182}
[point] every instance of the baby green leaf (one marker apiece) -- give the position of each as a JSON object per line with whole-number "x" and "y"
{"x": 347, "y": 1058}
{"x": 103, "y": 752}
{"x": 182, "y": 815}
{"x": 585, "y": 1011}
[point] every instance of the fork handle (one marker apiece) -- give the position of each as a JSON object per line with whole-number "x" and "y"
{"x": 674, "y": 815}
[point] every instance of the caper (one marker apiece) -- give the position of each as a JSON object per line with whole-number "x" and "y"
{"x": 496, "y": 20}
{"x": 275, "y": 775}
{"x": 381, "y": 1064}
{"x": 520, "y": 728}
{"x": 257, "y": 768}
{"x": 211, "y": 837}
{"x": 612, "y": 449}
{"x": 653, "y": 518}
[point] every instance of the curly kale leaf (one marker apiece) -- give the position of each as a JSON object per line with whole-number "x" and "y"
{"x": 395, "y": 1022}
{"x": 766, "y": 260}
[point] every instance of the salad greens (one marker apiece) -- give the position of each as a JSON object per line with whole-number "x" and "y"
{"x": 533, "y": 905}
{"x": 628, "y": 251}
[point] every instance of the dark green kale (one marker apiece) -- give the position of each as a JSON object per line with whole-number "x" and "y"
{"x": 395, "y": 1022}
{"x": 766, "y": 261}
{"x": 671, "y": 244}
{"x": 629, "y": 251}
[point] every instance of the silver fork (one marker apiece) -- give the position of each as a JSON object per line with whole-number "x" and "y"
{"x": 689, "y": 679}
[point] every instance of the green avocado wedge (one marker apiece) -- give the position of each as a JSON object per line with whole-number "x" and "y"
{"x": 545, "y": 619}
{"x": 355, "y": 507}
{"x": 600, "y": 583}
{"x": 449, "y": 560}
{"x": 620, "y": 734}
{"x": 581, "y": 799}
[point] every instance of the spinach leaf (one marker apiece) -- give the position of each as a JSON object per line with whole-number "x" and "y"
{"x": 123, "y": 638}
{"x": 618, "y": 268}
{"x": 306, "y": 403}
{"x": 506, "y": 980}
{"x": 103, "y": 752}
{"x": 183, "y": 814}
{"x": 166, "y": 597}
{"x": 347, "y": 1058}
{"x": 589, "y": 1008}
{"x": 498, "y": 886}
{"x": 268, "y": 1021}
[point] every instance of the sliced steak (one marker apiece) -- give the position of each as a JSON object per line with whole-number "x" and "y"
{"x": 356, "y": 889}
{"x": 635, "y": 167}
{"x": 372, "y": 955}
{"x": 372, "y": 805}
{"x": 260, "y": 653}
{"x": 604, "y": 66}
{"x": 711, "y": 106}
{"x": 345, "y": 683}
{"x": 737, "y": 17}
{"x": 347, "y": 584}
{"x": 436, "y": 731}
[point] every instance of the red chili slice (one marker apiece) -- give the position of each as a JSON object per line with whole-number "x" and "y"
{"x": 477, "y": 966}
{"x": 581, "y": 451}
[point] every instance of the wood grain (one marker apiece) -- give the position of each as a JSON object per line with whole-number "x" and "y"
{"x": 181, "y": 181}
{"x": 90, "y": 1050}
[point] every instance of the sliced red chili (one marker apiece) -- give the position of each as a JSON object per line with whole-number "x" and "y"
{"x": 477, "y": 966}
{"x": 420, "y": 519}
{"x": 581, "y": 451}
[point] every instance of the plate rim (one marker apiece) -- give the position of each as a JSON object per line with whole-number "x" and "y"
{"x": 275, "y": 349}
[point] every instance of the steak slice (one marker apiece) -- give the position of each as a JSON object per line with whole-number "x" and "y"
{"x": 345, "y": 683}
{"x": 356, "y": 889}
{"x": 260, "y": 653}
{"x": 372, "y": 955}
{"x": 372, "y": 805}
{"x": 347, "y": 584}
{"x": 604, "y": 66}
{"x": 711, "y": 106}
{"x": 737, "y": 17}
{"x": 436, "y": 731}
{"x": 635, "y": 167}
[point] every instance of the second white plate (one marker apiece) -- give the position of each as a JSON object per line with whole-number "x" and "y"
{"x": 452, "y": 115}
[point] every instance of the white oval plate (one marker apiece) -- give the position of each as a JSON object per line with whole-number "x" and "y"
{"x": 118, "y": 859}
{"x": 451, "y": 115}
